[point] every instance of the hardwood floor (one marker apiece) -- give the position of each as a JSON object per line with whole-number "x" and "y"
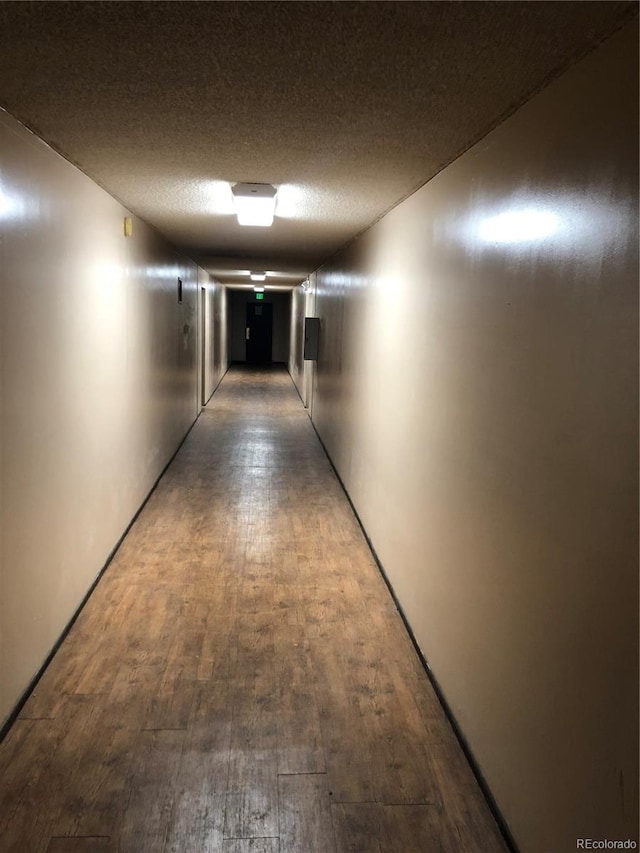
{"x": 240, "y": 680}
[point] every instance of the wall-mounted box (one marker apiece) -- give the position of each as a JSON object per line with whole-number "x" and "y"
{"x": 311, "y": 338}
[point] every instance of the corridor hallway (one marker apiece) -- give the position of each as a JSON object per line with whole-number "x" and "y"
{"x": 240, "y": 679}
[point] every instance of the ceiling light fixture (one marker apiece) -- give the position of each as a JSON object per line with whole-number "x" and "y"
{"x": 256, "y": 275}
{"x": 258, "y": 289}
{"x": 255, "y": 204}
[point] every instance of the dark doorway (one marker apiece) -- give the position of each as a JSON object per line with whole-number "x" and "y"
{"x": 259, "y": 332}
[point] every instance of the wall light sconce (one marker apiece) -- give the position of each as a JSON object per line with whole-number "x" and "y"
{"x": 256, "y": 275}
{"x": 255, "y": 204}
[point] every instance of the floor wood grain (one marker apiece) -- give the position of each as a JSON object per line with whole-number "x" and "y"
{"x": 240, "y": 680}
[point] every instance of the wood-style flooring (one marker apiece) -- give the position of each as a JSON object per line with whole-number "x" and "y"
{"x": 240, "y": 680}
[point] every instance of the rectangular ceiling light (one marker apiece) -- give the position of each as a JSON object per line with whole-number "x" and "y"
{"x": 256, "y": 275}
{"x": 255, "y": 204}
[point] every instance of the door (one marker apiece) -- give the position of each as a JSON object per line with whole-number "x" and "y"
{"x": 259, "y": 332}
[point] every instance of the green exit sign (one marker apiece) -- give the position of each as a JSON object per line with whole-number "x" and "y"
{"x": 259, "y": 295}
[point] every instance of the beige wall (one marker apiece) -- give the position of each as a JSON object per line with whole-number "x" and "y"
{"x": 215, "y": 343}
{"x": 296, "y": 337}
{"x": 477, "y": 391}
{"x": 302, "y": 372}
{"x": 99, "y": 385}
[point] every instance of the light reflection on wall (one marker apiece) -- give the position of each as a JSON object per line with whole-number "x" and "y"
{"x": 104, "y": 274}
{"x": 106, "y": 293}
{"x": 519, "y": 226}
{"x": 331, "y": 281}
{"x": 165, "y": 273}
{"x": 11, "y": 207}
{"x": 570, "y": 224}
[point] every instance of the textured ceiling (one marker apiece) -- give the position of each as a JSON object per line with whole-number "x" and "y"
{"x": 346, "y": 107}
